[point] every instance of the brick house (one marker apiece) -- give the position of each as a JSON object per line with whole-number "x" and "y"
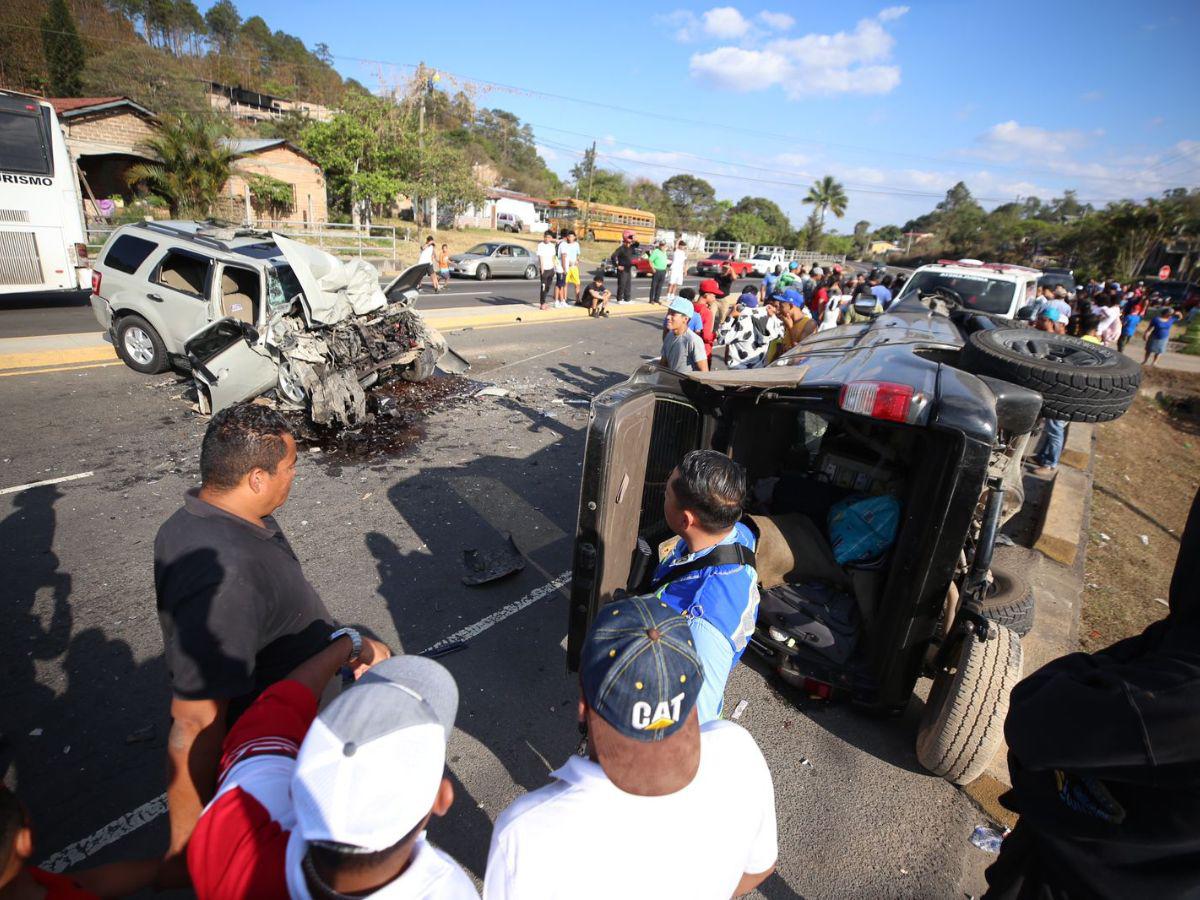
{"x": 105, "y": 137}
{"x": 284, "y": 161}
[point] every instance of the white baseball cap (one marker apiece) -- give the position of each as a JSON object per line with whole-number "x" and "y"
{"x": 371, "y": 764}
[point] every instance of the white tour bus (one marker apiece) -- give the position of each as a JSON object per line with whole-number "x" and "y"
{"x": 42, "y": 237}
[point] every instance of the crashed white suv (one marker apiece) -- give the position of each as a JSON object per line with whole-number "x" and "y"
{"x": 250, "y": 312}
{"x": 997, "y": 288}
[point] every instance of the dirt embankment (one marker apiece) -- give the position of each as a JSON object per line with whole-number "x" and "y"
{"x": 1147, "y": 473}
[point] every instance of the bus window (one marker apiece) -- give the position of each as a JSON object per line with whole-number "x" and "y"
{"x": 23, "y": 146}
{"x": 128, "y": 253}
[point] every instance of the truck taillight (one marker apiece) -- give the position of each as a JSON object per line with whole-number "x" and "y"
{"x": 882, "y": 400}
{"x": 96, "y": 279}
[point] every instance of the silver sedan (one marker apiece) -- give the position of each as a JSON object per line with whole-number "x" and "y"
{"x": 485, "y": 260}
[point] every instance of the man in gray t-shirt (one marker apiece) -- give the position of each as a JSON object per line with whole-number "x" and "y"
{"x": 682, "y": 348}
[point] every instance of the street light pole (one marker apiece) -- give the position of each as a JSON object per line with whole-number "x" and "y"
{"x": 587, "y": 213}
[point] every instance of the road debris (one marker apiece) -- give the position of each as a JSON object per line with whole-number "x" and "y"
{"x": 988, "y": 839}
{"x": 1104, "y": 537}
{"x": 445, "y": 649}
{"x": 1162, "y": 601}
{"x": 1145, "y": 539}
{"x": 492, "y": 391}
{"x": 37, "y": 732}
{"x": 739, "y": 709}
{"x": 483, "y": 566}
{"x": 805, "y": 762}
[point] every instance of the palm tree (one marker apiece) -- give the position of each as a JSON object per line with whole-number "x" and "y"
{"x": 827, "y": 194}
{"x": 193, "y": 165}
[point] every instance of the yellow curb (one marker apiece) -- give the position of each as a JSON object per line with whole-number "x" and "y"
{"x": 985, "y": 791}
{"x": 60, "y": 357}
{"x": 60, "y": 369}
{"x": 1060, "y": 536}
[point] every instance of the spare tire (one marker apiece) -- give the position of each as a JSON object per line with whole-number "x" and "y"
{"x": 1009, "y": 601}
{"x": 1079, "y": 381}
{"x": 963, "y": 723}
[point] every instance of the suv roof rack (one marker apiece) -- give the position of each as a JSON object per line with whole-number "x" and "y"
{"x": 186, "y": 235}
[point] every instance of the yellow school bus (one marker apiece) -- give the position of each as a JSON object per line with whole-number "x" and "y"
{"x": 599, "y": 221}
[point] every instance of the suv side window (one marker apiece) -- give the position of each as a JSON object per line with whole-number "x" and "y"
{"x": 183, "y": 272}
{"x": 128, "y": 253}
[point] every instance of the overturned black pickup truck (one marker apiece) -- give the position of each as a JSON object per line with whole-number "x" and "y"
{"x": 931, "y": 405}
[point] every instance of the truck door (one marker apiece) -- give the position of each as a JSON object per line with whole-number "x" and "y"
{"x": 636, "y": 437}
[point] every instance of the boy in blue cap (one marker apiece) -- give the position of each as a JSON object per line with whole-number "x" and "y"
{"x": 661, "y": 806}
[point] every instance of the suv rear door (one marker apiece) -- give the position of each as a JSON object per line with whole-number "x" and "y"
{"x": 636, "y": 436}
{"x": 179, "y": 288}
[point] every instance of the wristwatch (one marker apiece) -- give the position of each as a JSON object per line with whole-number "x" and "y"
{"x": 355, "y": 642}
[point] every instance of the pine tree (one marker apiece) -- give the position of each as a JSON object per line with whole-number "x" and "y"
{"x": 63, "y": 49}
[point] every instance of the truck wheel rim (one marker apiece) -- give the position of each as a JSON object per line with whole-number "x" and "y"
{"x": 1053, "y": 348}
{"x": 138, "y": 345}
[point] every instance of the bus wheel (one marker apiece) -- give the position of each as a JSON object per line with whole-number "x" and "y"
{"x": 140, "y": 347}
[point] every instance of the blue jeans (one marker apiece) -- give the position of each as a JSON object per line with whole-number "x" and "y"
{"x": 1056, "y": 433}
{"x": 716, "y": 658}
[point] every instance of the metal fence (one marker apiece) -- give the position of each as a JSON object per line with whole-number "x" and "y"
{"x": 377, "y": 242}
{"x": 740, "y": 250}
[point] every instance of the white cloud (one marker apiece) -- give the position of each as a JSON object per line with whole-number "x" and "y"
{"x": 546, "y": 153}
{"x": 1012, "y": 140}
{"x": 683, "y": 24}
{"x": 843, "y": 63}
{"x": 725, "y": 22}
{"x": 734, "y": 69}
{"x": 792, "y": 160}
{"x": 776, "y": 20}
{"x": 657, "y": 157}
{"x": 892, "y": 13}
{"x": 1091, "y": 96}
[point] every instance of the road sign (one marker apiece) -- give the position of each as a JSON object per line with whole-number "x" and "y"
{"x": 1164, "y": 272}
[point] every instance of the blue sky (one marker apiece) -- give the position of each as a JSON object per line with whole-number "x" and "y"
{"x": 897, "y": 101}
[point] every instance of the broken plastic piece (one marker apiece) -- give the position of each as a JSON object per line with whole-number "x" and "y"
{"x": 482, "y": 566}
{"x": 739, "y": 709}
{"x": 492, "y": 391}
{"x": 987, "y": 839}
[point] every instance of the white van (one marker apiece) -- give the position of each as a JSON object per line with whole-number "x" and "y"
{"x": 764, "y": 262}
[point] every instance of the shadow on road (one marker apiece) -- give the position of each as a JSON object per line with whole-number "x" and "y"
{"x": 46, "y": 300}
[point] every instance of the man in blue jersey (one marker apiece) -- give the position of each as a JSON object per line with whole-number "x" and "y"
{"x": 709, "y": 575}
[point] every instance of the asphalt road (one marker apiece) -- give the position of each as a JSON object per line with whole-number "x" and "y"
{"x": 84, "y": 706}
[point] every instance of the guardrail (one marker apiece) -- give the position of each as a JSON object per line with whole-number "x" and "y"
{"x": 741, "y": 250}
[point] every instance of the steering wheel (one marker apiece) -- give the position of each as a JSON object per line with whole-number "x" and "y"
{"x": 946, "y": 294}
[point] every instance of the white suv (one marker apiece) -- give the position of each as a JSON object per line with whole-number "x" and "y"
{"x": 997, "y": 288}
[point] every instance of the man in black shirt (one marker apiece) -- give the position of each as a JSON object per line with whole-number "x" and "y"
{"x": 624, "y": 257}
{"x": 595, "y": 298}
{"x": 237, "y": 613}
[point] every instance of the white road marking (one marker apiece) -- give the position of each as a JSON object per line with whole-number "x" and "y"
{"x": 75, "y": 853}
{"x": 33, "y": 484}
{"x": 530, "y": 358}
{"x": 509, "y": 609}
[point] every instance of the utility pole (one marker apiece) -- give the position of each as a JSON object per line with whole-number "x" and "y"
{"x": 587, "y": 213}
{"x": 420, "y": 145}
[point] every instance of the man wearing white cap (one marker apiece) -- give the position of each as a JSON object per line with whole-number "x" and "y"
{"x": 326, "y": 805}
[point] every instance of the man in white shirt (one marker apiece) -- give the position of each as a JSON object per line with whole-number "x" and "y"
{"x": 660, "y": 807}
{"x": 678, "y": 269}
{"x": 546, "y": 253}
{"x": 426, "y": 259}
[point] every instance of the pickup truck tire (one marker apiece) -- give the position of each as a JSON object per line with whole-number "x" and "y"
{"x": 1079, "y": 381}
{"x": 963, "y": 723}
{"x": 140, "y": 346}
{"x": 1009, "y": 601}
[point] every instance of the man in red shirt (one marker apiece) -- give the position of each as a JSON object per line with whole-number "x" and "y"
{"x": 334, "y": 804}
{"x": 706, "y": 305}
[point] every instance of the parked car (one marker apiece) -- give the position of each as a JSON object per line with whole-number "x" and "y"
{"x": 711, "y": 265}
{"x": 997, "y": 288}
{"x": 931, "y": 404}
{"x": 249, "y": 313}
{"x": 641, "y": 266}
{"x": 507, "y": 221}
{"x": 1181, "y": 294}
{"x": 764, "y": 263}
{"x": 485, "y": 260}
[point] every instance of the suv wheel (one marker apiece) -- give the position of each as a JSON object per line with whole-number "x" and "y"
{"x": 290, "y": 387}
{"x": 1079, "y": 381}
{"x": 963, "y": 723}
{"x": 423, "y": 368}
{"x": 140, "y": 347}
